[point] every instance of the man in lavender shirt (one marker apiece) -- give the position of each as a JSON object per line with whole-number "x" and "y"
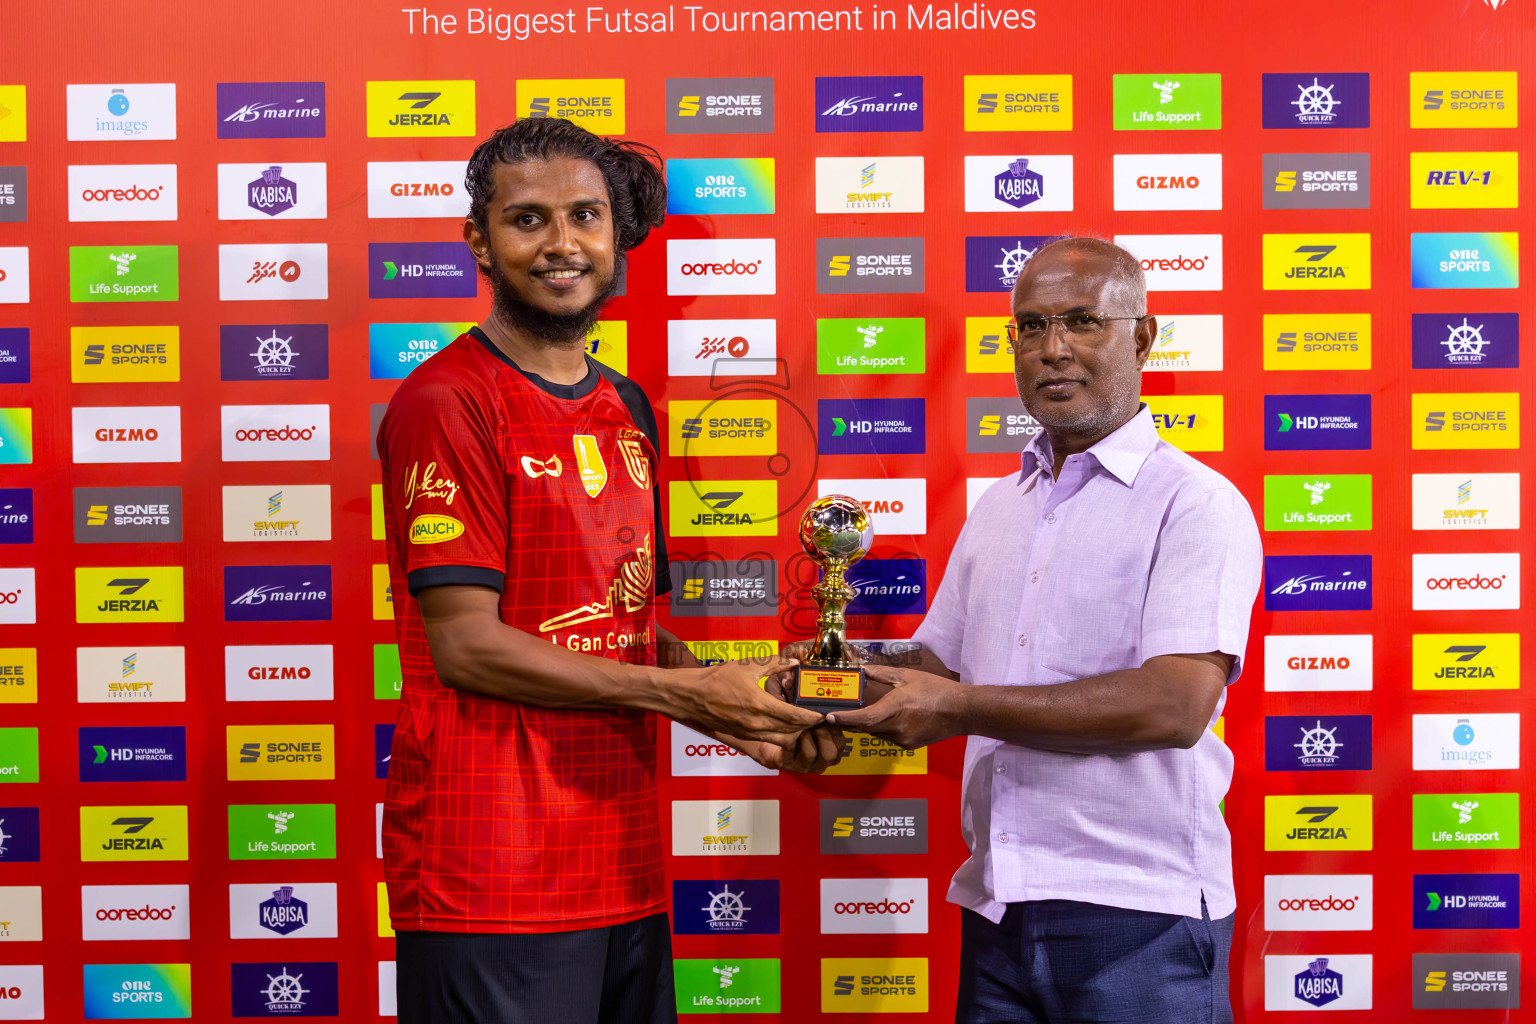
{"x": 1095, "y": 608}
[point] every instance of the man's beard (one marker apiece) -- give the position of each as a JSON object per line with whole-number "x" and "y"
{"x": 553, "y": 328}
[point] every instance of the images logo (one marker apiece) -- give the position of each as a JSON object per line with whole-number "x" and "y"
{"x": 1466, "y": 501}
{"x": 1294, "y": 743}
{"x": 719, "y": 106}
{"x": 1317, "y": 181}
{"x": 873, "y": 426}
{"x": 1479, "y": 341}
{"x": 1458, "y": 420}
{"x": 277, "y": 593}
{"x": 878, "y": 103}
{"x": 120, "y": 112}
{"x": 129, "y": 594}
{"x": 1318, "y": 903}
{"x": 850, "y": 266}
{"x": 887, "y": 184}
{"x": 100, "y": 355}
{"x": 122, "y": 192}
{"x": 720, "y": 185}
{"x": 870, "y": 345}
{"x": 133, "y": 754}
{"x": 1317, "y": 982}
{"x": 274, "y": 352}
{"x": 1463, "y": 99}
{"x": 123, "y": 273}
{"x": 874, "y": 826}
{"x": 1468, "y": 980}
{"x": 1314, "y": 502}
{"x": 421, "y": 270}
{"x": 394, "y": 350}
{"x": 269, "y": 910}
{"x": 725, "y": 827}
{"x": 867, "y": 906}
{"x": 1018, "y": 103}
{"x": 725, "y": 266}
{"x": 1464, "y": 181}
{"x": 1447, "y": 743}
{"x": 725, "y": 907}
{"x": 597, "y": 104}
{"x": 1007, "y": 184}
{"x": 724, "y": 508}
{"x": 727, "y": 986}
{"x": 1177, "y": 263}
{"x": 1193, "y": 423}
{"x": 272, "y": 191}
{"x": 1341, "y": 100}
{"x": 1317, "y": 583}
{"x": 133, "y": 833}
{"x": 710, "y": 348}
{"x": 1337, "y": 341}
{"x": 1466, "y": 259}
{"x": 1466, "y": 821}
{"x": 1299, "y": 423}
{"x": 1466, "y": 661}
{"x": 282, "y": 831}
{"x": 271, "y": 110}
{"x": 725, "y": 587}
{"x": 421, "y": 108}
{"x": 874, "y": 985}
{"x": 1317, "y": 262}
{"x": 418, "y": 188}
{"x": 288, "y": 989}
{"x": 1163, "y": 102}
{"x": 1311, "y": 822}
{"x": 1466, "y": 901}
{"x": 994, "y": 263}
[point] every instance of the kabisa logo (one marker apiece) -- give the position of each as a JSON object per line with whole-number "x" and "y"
{"x": 1443, "y": 743}
{"x": 133, "y": 754}
{"x": 1469, "y": 981}
{"x": 259, "y": 752}
{"x": 1317, "y": 341}
{"x": 720, "y": 185}
{"x": 16, "y": 517}
{"x": 1466, "y": 661}
{"x": 1479, "y": 341}
{"x": 1175, "y": 181}
{"x": 1013, "y": 103}
{"x": 420, "y": 188}
{"x": 1464, "y": 181}
{"x": 1163, "y": 102}
{"x": 1317, "y": 262}
{"x": 874, "y": 985}
{"x": 994, "y": 263}
{"x": 708, "y": 348}
{"x": 1466, "y": 821}
{"x": 100, "y": 355}
{"x": 1316, "y": 100}
{"x": 129, "y": 594}
{"x": 1317, "y": 583}
{"x": 1466, "y": 581}
{"x": 123, "y": 273}
{"x": 1318, "y": 985}
{"x": 863, "y": 906}
{"x": 871, "y": 426}
{"x": 120, "y": 112}
{"x": 1294, "y": 423}
{"x": 1448, "y": 420}
{"x": 123, "y": 991}
{"x": 725, "y": 907}
{"x": 1313, "y": 822}
{"x": 721, "y": 266}
{"x": 1177, "y": 263}
{"x": 135, "y": 912}
{"x": 1463, "y": 99}
{"x": 1008, "y": 183}
{"x": 268, "y": 433}
{"x": 722, "y": 106}
{"x": 283, "y": 913}
{"x": 19, "y": 835}
{"x": 1317, "y": 181}
{"x": 277, "y": 593}
{"x": 1466, "y": 259}
{"x": 266, "y": 191}
{"x": 724, "y": 508}
{"x": 1318, "y": 502}
{"x": 1318, "y": 903}
{"x": 1466, "y": 901}
{"x": 725, "y": 587}
{"x": 394, "y": 350}
{"x": 288, "y": 989}
{"x": 133, "y": 833}
{"x": 889, "y": 586}
{"x": 440, "y": 109}
{"x": 878, "y": 103}
{"x": 281, "y": 910}
{"x": 1317, "y": 743}
{"x": 274, "y": 352}
{"x": 874, "y": 826}
{"x": 597, "y": 104}
{"x": 271, "y": 110}
{"x": 271, "y": 193}
{"x": 421, "y": 270}
{"x": 122, "y": 192}
{"x": 848, "y": 266}
{"x": 279, "y": 672}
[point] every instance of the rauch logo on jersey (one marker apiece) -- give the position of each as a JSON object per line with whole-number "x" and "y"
{"x": 293, "y": 191}
{"x": 274, "y": 352}
{"x": 122, "y": 192}
{"x": 417, "y": 188}
{"x": 120, "y": 112}
{"x": 1466, "y": 901}
{"x": 277, "y": 593}
{"x": 1317, "y": 583}
{"x": 707, "y": 348}
{"x": 721, "y": 266}
{"x": 878, "y": 103}
{"x": 1305, "y": 743}
{"x": 286, "y": 831}
{"x": 867, "y": 906}
{"x": 1318, "y": 903}
{"x": 133, "y": 754}
{"x": 123, "y": 273}
{"x": 874, "y": 826}
{"x": 1315, "y": 100}
{"x": 271, "y": 110}
{"x": 1447, "y": 743}
{"x": 719, "y": 106}
{"x": 1317, "y": 982}
{"x": 1472, "y": 581}
{"x": 1444, "y": 981}
{"x": 731, "y": 906}
{"x": 1317, "y": 422}
{"x": 133, "y": 991}
{"x": 994, "y": 263}
{"x": 288, "y": 989}
{"x": 851, "y": 266}
{"x": 135, "y": 912}
{"x": 1009, "y": 184}
{"x": 1466, "y": 821}
{"x": 1466, "y": 661}
{"x": 874, "y": 426}
{"x": 421, "y": 270}
{"x": 1466, "y": 341}
{"x": 1466, "y": 259}
{"x": 1317, "y": 181}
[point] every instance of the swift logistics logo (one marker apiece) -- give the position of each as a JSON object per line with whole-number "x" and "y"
{"x": 1466, "y": 661}
{"x": 709, "y": 348}
{"x": 135, "y": 913}
{"x": 1466, "y": 981}
{"x": 868, "y": 184}
{"x": 277, "y": 593}
{"x": 130, "y": 675}
{"x": 748, "y": 586}
{"x": 1463, "y": 99}
{"x": 1466, "y": 901}
{"x": 104, "y": 355}
{"x": 103, "y": 113}
{"x": 1466, "y": 501}
{"x": 1317, "y": 341}
{"x": 1317, "y": 181}
{"x": 1460, "y": 420}
{"x": 1166, "y": 102}
{"x": 417, "y": 188}
{"x": 719, "y": 106}
{"x": 870, "y": 345}
{"x": 1466, "y": 581}
{"x": 1465, "y": 259}
{"x": 129, "y": 594}
{"x": 255, "y": 753}
{"x": 1313, "y": 982}
{"x": 1310, "y": 743}
{"x": 721, "y": 266}
{"x": 272, "y": 191}
{"x": 875, "y": 985}
{"x": 250, "y": 273}
{"x": 16, "y": 515}
{"x": 438, "y": 109}
{"x": 1018, "y": 103}
{"x": 1317, "y": 262}
{"x": 871, "y": 426}
{"x": 597, "y": 104}
{"x": 724, "y": 508}
{"x": 1173, "y": 181}
{"x": 874, "y": 906}
{"x": 710, "y": 828}
{"x": 730, "y": 906}
{"x": 133, "y": 754}
{"x": 1192, "y": 423}
{"x": 1317, "y": 100}
{"x": 723, "y": 426}
{"x": 277, "y": 512}
{"x": 1464, "y": 181}
{"x": 1299, "y": 423}
{"x": 874, "y": 826}
{"x": 133, "y": 833}
{"x": 1466, "y": 821}
{"x": 134, "y": 991}
{"x": 1312, "y": 822}
{"x": 271, "y": 110}
{"x": 1013, "y": 184}
{"x": 875, "y": 103}
{"x": 394, "y": 350}
{"x": 275, "y": 433}
{"x": 720, "y": 185}
{"x": 287, "y": 989}
{"x": 1318, "y": 903}
{"x": 1177, "y": 263}
{"x": 994, "y": 262}
{"x": 275, "y": 351}
{"x": 1470, "y": 742}
{"x": 1318, "y": 502}
{"x": 727, "y": 986}
{"x": 286, "y": 831}
{"x": 853, "y": 266}
{"x": 122, "y": 192}
{"x": 123, "y": 273}
{"x": 421, "y": 270}
{"x": 279, "y": 672}
{"x": 1481, "y": 341}
{"x": 1317, "y": 583}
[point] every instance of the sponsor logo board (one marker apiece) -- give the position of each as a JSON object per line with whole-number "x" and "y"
{"x": 18, "y": 596}
{"x": 19, "y": 835}
{"x": 1465, "y": 259}
{"x": 726, "y": 986}
{"x": 129, "y": 594}
{"x": 287, "y": 989}
{"x": 16, "y": 515}
{"x": 15, "y": 348}
{"x": 130, "y": 675}
{"x": 1480, "y": 341}
{"x": 994, "y": 262}
{"x": 16, "y": 437}
{"x": 720, "y": 185}
{"x": 998, "y": 425}
{"x": 1317, "y": 181}
{"x": 1466, "y": 661}
{"x": 1317, "y": 583}
{"x": 871, "y": 755}
{"x": 889, "y": 586}
{"x": 1318, "y": 903}
{"x": 748, "y": 586}
{"x": 271, "y": 110}
{"x": 1464, "y": 181}
{"x": 13, "y": 191}
{"x": 1469, "y": 742}
{"x": 719, "y": 106}
{"x": 275, "y": 433}
{"x": 1317, "y": 100}
{"x": 421, "y": 270}
{"x": 858, "y": 184}
{"x": 723, "y": 426}
{"x": 13, "y": 113}
{"x": 143, "y": 433}
{"x": 724, "y": 508}
{"x": 1009, "y": 184}
{"x": 274, "y": 352}
{"x": 18, "y": 675}
{"x": 417, "y": 188}
{"x": 1468, "y": 581}
{"x": 112, "y": 515}
{"x": 18, "y": 754}
{"x": 137, "y": 991}
{"x": 713, "y": 828}
{"x": 1018, "y": 103}
{"x": 277, "y": 593}
{"x": 1313, "y": 822}
{"x": 286, "y": 271}
{"x": 1466, "y": 821}
{"x": 870, "y": 345}
{"x": 394, "y": 350}
{"x": 1175, "y": 181}
{"x": 277, "y": 512}
{"x": 1313, "y": 262}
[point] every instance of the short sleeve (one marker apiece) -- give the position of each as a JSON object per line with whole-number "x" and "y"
{"x": 1205, "y": 576}
{"x": 444, "y": 486}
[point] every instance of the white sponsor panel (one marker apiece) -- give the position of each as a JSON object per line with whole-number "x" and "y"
{"x": 23, "y": 988}
{"x": 1466, "y": 581}
{"x": 122, "y": 192}
{"x": 721, "y": 266}
{"x": 18, "y": 596}
{"x": 975, "y": 487}
{"x": 1466, "y": 501}
{"x": 277, "y": 512}
{"x": 1008, "y": 184}
{"x": 725, "y": 828}
{"x": 126, "y": 433}
{"x": 1177, "y": 263}
{"x": 707, "y": 348}
{"x": 1344, "y": 977}
{"x": 694, "y": 754}
{"x": 275, "y": 433}
{"x": 283, "y": 916}
{"x": 272, "y": 191}
{"x": 866, "y": 906}
{"x": 1318, "y": 903}
{"x": 1333, "y": 662}
{"x": 130, "y": 675}
{"x": 378, "y": 831}
{"x": 1472, "y": 742}
{"x": 280, "y": 672}
{"x": 387, "y": 989}
{"x": 869, "y": 184}
{"x": 898, "y": 505}
{"x": 417, "y": 188}
{"x": 285, "y": 271}
{"x": 21, "y": 913}
{"x": 110, "y": 113}
{"x": 1167, "y": 181}
{"x": 15, "y": 274}
{"x": 135, "y": 912}
{"x": 1187, "y": 341}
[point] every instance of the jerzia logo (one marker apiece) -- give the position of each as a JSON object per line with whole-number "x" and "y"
{"x": 444, "y": 108}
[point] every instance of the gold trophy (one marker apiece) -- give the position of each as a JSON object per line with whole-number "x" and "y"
{"x": 835, "y": 531}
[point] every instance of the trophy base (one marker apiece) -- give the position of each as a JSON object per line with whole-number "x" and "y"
{"x": 828, "y": 689}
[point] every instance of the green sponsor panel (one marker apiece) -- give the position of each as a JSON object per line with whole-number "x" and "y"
{"x": 18, "y": 755}
{"x": 1163, "y": 102}
{"x": 123, "y": 273}
{"x": 387, "y": 677}
{"x": 282, "y": 832}
{"x": 727, "y": 986}
{"x": 1318, "y": 502}
{"x": 1466, "y": 821}
{"x": 871, "y": 345}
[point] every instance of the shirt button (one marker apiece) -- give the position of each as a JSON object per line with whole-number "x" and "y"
{"x": 1050, "y": 517}
{"x": 1034, "y": 577}
{"x": 1002, "y": 837}
{"x": 1002, "y": 769}
{"x": 1023, "y": 640}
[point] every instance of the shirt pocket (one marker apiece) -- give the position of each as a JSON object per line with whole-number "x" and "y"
{"x": 1095, "y": 625}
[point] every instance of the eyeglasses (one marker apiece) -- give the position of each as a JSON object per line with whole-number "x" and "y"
{"x": 1033, "y": 328}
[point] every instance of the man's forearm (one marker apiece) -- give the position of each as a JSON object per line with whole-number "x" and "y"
{"x": 915, "y": 657}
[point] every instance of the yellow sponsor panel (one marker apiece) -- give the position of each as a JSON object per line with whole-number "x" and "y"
{"x": 1192, "y": 423}
{"x": 1335, "y": 262}
{"x": 1317, "y": 341}
{"x": 383, "y": 598}
{"x": 723, "y": 427}
{"x": 258, "y": 752}
{"x": 724, "y": 508}
{"x": 597, "y": 104}
{"x": 18, "y": 675}
{"x": 435, "y": 529}
{"x": 1463, "y": 99}
{"x": 1464, "y": 181}
{"x": 376, "y": 511}
{"x": 1339, "y": 821}
{"x": 133, "y": 833}
{"x": 897, "y": 984}
{"x": 871, "y": 755}
{"x": 420, "y": 108}
{"x": 1466, "y": 661}
{"x": 1018, "y": 103}
{"x": 135, "y": 593}
{"x": 1458, "y": 420}
{"x": 13, "y": 113}
{"x": 104, "y": 355}
{"x": 385, "y": 930}
{"x": 987, "y": 349}
{"x": 608, "y": 343}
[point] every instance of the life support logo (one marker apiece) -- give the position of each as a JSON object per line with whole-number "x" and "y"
{"x": 435, "y": 529}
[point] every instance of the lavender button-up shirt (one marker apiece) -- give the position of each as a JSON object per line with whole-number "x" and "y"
{"x": 1137, "y": 550}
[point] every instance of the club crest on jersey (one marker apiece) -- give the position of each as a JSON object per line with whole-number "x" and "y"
{"x": 589, "y": 463}
{"x": 635, "y": 460}
{"x": 535, "y": 469}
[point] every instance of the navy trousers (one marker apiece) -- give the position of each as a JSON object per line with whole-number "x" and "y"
{"x": 1062, "y": 962}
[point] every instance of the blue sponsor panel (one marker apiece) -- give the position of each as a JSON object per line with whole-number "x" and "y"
{"x": 421, "y": 270}
{"x": 994, "y": 262}
{"x": 394, "y": 350}
{"x": 277, "y": 593}
{"x": 274, "y": 352}
{"x": 1466, "y": 341}
{"x": 871, "y": 426}
{"x": 1316, "y": 423}
{"x": 286, "y": 989}
{"x": 1466, "y": 259}
{"x": 19, "y": 835}
{"x": 152, "y": 753}
{"x": 1466, "y": 901}
{"x": 870, "y": 103}
{"x": 383, "y": 743}
{"x": 889, "y": 586}
{"x": 1317, "y": 100}
{"x": 271, "y": 110}
{"x": 1312, "y": 743}
{"x": 728, "y": 906}
{"x": 721, "y": 185}
{"x": 1311, "y": 583}
{"x": 15, "y": 355}
{"x": 16, "y": 515}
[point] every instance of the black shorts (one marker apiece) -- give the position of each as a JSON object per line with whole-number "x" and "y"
{"x": 616, "y": 975}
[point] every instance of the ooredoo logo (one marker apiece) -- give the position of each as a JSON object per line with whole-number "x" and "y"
{"x": 694, "y": 755}
{"x": 723, "y": 266}
{"x": 18, "y": 596}
{"x": 134, "y": 912}
{"x": 122, "y": 192}
{"x": 417, "y": 188}
{"x": 1177, "y": 263}
{"x": 1318, "y": 903}
{"x": 852, "y": 906}
{"x": 271, "y": 433}
{"x": 1466, "y": 581}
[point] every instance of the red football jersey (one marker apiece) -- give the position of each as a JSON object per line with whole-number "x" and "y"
{"x": 501, "y": 816}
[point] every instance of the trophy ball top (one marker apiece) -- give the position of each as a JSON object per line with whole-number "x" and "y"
{"x": 836, "y": 530}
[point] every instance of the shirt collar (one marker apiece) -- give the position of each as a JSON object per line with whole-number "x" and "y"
{"x": 1122, "y": 452}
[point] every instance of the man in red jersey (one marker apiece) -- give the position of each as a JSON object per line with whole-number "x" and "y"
{"x": 522, "y": 837}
